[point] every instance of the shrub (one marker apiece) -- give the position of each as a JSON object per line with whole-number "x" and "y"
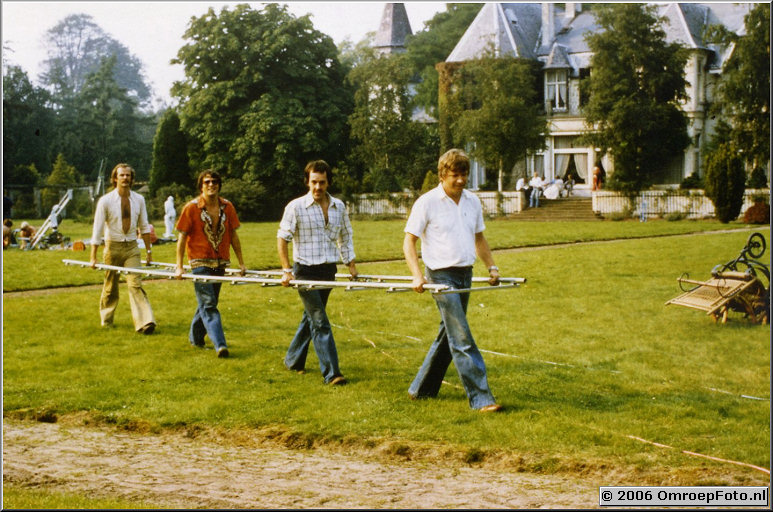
{"x": 758, "y": 213}
{"x": 617, "y": 216}
{"x": 693, "y": 181}
{"x": 248, "y": 196}
{"x": 381, "y": 181}
{"x": 725, "y": 180}
{"x": 758, "y": 179}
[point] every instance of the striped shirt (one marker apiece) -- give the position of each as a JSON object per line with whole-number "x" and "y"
{"x": 314, "y": 241}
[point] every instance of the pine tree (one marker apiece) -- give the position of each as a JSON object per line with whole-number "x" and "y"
{"x": 170, "y": 154}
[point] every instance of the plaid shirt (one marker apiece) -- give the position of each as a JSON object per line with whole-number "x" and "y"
{"x": 315, "y": 242}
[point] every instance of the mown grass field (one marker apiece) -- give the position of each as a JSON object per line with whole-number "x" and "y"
{"x": 583, "y": 357}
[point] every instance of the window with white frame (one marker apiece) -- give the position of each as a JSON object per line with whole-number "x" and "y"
{"x": 555, "y": 88}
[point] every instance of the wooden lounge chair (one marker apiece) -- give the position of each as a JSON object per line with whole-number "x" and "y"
{"x": 732, "y": 289}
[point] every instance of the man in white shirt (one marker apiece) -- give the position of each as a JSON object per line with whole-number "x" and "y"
{"x": 449, "y": 222}
{"x": 536, "y": 184}
{"x": 319, "y": 227}
{"x": 119, "y": 214}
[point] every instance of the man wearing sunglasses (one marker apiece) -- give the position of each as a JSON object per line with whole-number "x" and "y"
{"x": 207, "y": 227}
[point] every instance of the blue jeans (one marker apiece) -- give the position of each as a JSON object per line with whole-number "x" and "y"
{"x": 207, "y": 320}
{"x": 455, "y": 343}
{"x": 314, "y": 325}
{"x": 534, "y": 197}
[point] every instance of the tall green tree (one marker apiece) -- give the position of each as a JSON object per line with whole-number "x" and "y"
{"x": 263, "y": 93}
{"x": 22, "y": 179}
{"x": 28, "y": 123}
{"x": 62, "y": 175}
{"x": 434, "y": 44}
{"x": 496, "y": 111}
{"x": 170, "y": 154}
{"x": 395, "y": 150}
{"x": 633, "y": 92}
{"x": 743, "y": 96}
{"x": 76, "y": 47}
{"x": 105, "y": 124}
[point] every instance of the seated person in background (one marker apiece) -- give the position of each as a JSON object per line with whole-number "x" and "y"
{"x": 553, "y": 190}
{"x": 26, "y": 234}
{"x": 520, "y": 184}
{"x": 568, "y": 184}
{"x": 8, "y": 237}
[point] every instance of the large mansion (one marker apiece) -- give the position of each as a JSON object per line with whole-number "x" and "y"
{"x": 554, "y": 34}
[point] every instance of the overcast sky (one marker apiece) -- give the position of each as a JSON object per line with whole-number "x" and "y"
{"x": 152, "y": 31}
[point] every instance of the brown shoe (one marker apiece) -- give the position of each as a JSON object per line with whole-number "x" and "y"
{"x": 148, "y": 328}
{"x": 338, "y": 381}
{"x": 491, "y": 408}
{"x": 223, "y": 352}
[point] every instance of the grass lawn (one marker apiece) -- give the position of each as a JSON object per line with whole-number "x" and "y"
{"x": 374, "y": 241}
{"x": 583, "y": 357}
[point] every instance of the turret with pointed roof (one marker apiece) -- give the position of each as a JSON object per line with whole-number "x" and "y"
{"x": 393, "y": 30}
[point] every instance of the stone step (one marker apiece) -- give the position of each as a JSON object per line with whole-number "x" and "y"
{"x": 563, "y": 209}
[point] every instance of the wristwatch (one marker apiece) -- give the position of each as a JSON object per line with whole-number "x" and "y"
{"x": 493, "y": 267}
{"x": 287, "y": 270}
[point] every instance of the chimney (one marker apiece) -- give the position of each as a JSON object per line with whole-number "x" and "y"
{"x": 548, "y": 24}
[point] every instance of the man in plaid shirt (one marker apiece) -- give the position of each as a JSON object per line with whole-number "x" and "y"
{"x": 319, "y": 227}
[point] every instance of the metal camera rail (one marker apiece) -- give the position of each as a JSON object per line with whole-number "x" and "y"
{"x": 390, "y": 284}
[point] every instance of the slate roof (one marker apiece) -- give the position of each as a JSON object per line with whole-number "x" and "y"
{"x": 516, "y": 30}
{"x": 394, "y": 28}
{"x": 508, "y": 29}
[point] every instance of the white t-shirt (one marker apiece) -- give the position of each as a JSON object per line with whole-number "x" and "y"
{"x": 536, "y": 182}
{"x": 447, "y": 230}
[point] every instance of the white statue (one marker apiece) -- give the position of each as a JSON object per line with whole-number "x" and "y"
{"x": 170, "y": 215}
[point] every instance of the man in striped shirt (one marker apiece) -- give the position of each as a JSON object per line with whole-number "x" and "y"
{"x": 319, "y": 227}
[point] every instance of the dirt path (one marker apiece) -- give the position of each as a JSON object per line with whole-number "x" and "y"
{"x": 175, "y": 471}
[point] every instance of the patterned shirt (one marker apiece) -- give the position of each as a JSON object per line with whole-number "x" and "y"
{"x": 206, "y": 245}
{"x": 447, "y": 230}
{"x": 314, "y": 241}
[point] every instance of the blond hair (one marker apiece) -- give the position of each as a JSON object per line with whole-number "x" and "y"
{"x": 453, "y": 160}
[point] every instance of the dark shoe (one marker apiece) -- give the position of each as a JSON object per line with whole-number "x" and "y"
{"x": 110, "y": 325}
{"x": 299, "y": 372}
{"x": 491, "y": 408}
{"x": 338, "y": 381}
{"x": 198, "y": 344}
{"x": 148, "y": 328}
{"x": 222, "y": 352}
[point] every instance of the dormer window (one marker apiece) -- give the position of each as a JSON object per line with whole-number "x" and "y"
{"x": 555, "y": 89}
